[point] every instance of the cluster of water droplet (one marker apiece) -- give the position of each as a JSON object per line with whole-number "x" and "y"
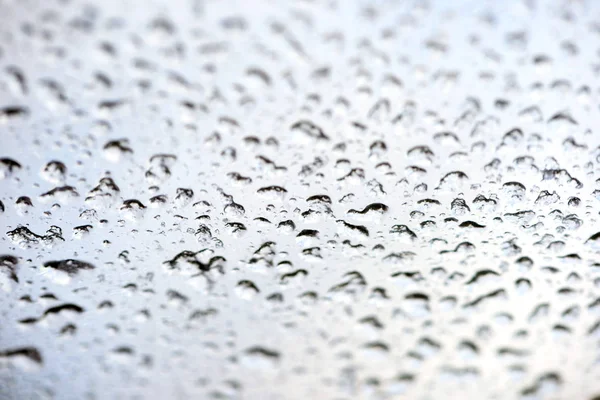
{"x": 282, "y": 200}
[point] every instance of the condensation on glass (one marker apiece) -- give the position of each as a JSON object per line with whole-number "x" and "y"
{"x": 322, "y": 199}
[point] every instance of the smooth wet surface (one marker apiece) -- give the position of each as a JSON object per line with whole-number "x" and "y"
{"x": 307, "y": 199}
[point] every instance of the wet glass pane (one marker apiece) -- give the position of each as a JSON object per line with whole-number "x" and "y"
{"x": 303, "y": 199}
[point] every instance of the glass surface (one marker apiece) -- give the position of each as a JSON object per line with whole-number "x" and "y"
{"x": 316, "y": 199}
